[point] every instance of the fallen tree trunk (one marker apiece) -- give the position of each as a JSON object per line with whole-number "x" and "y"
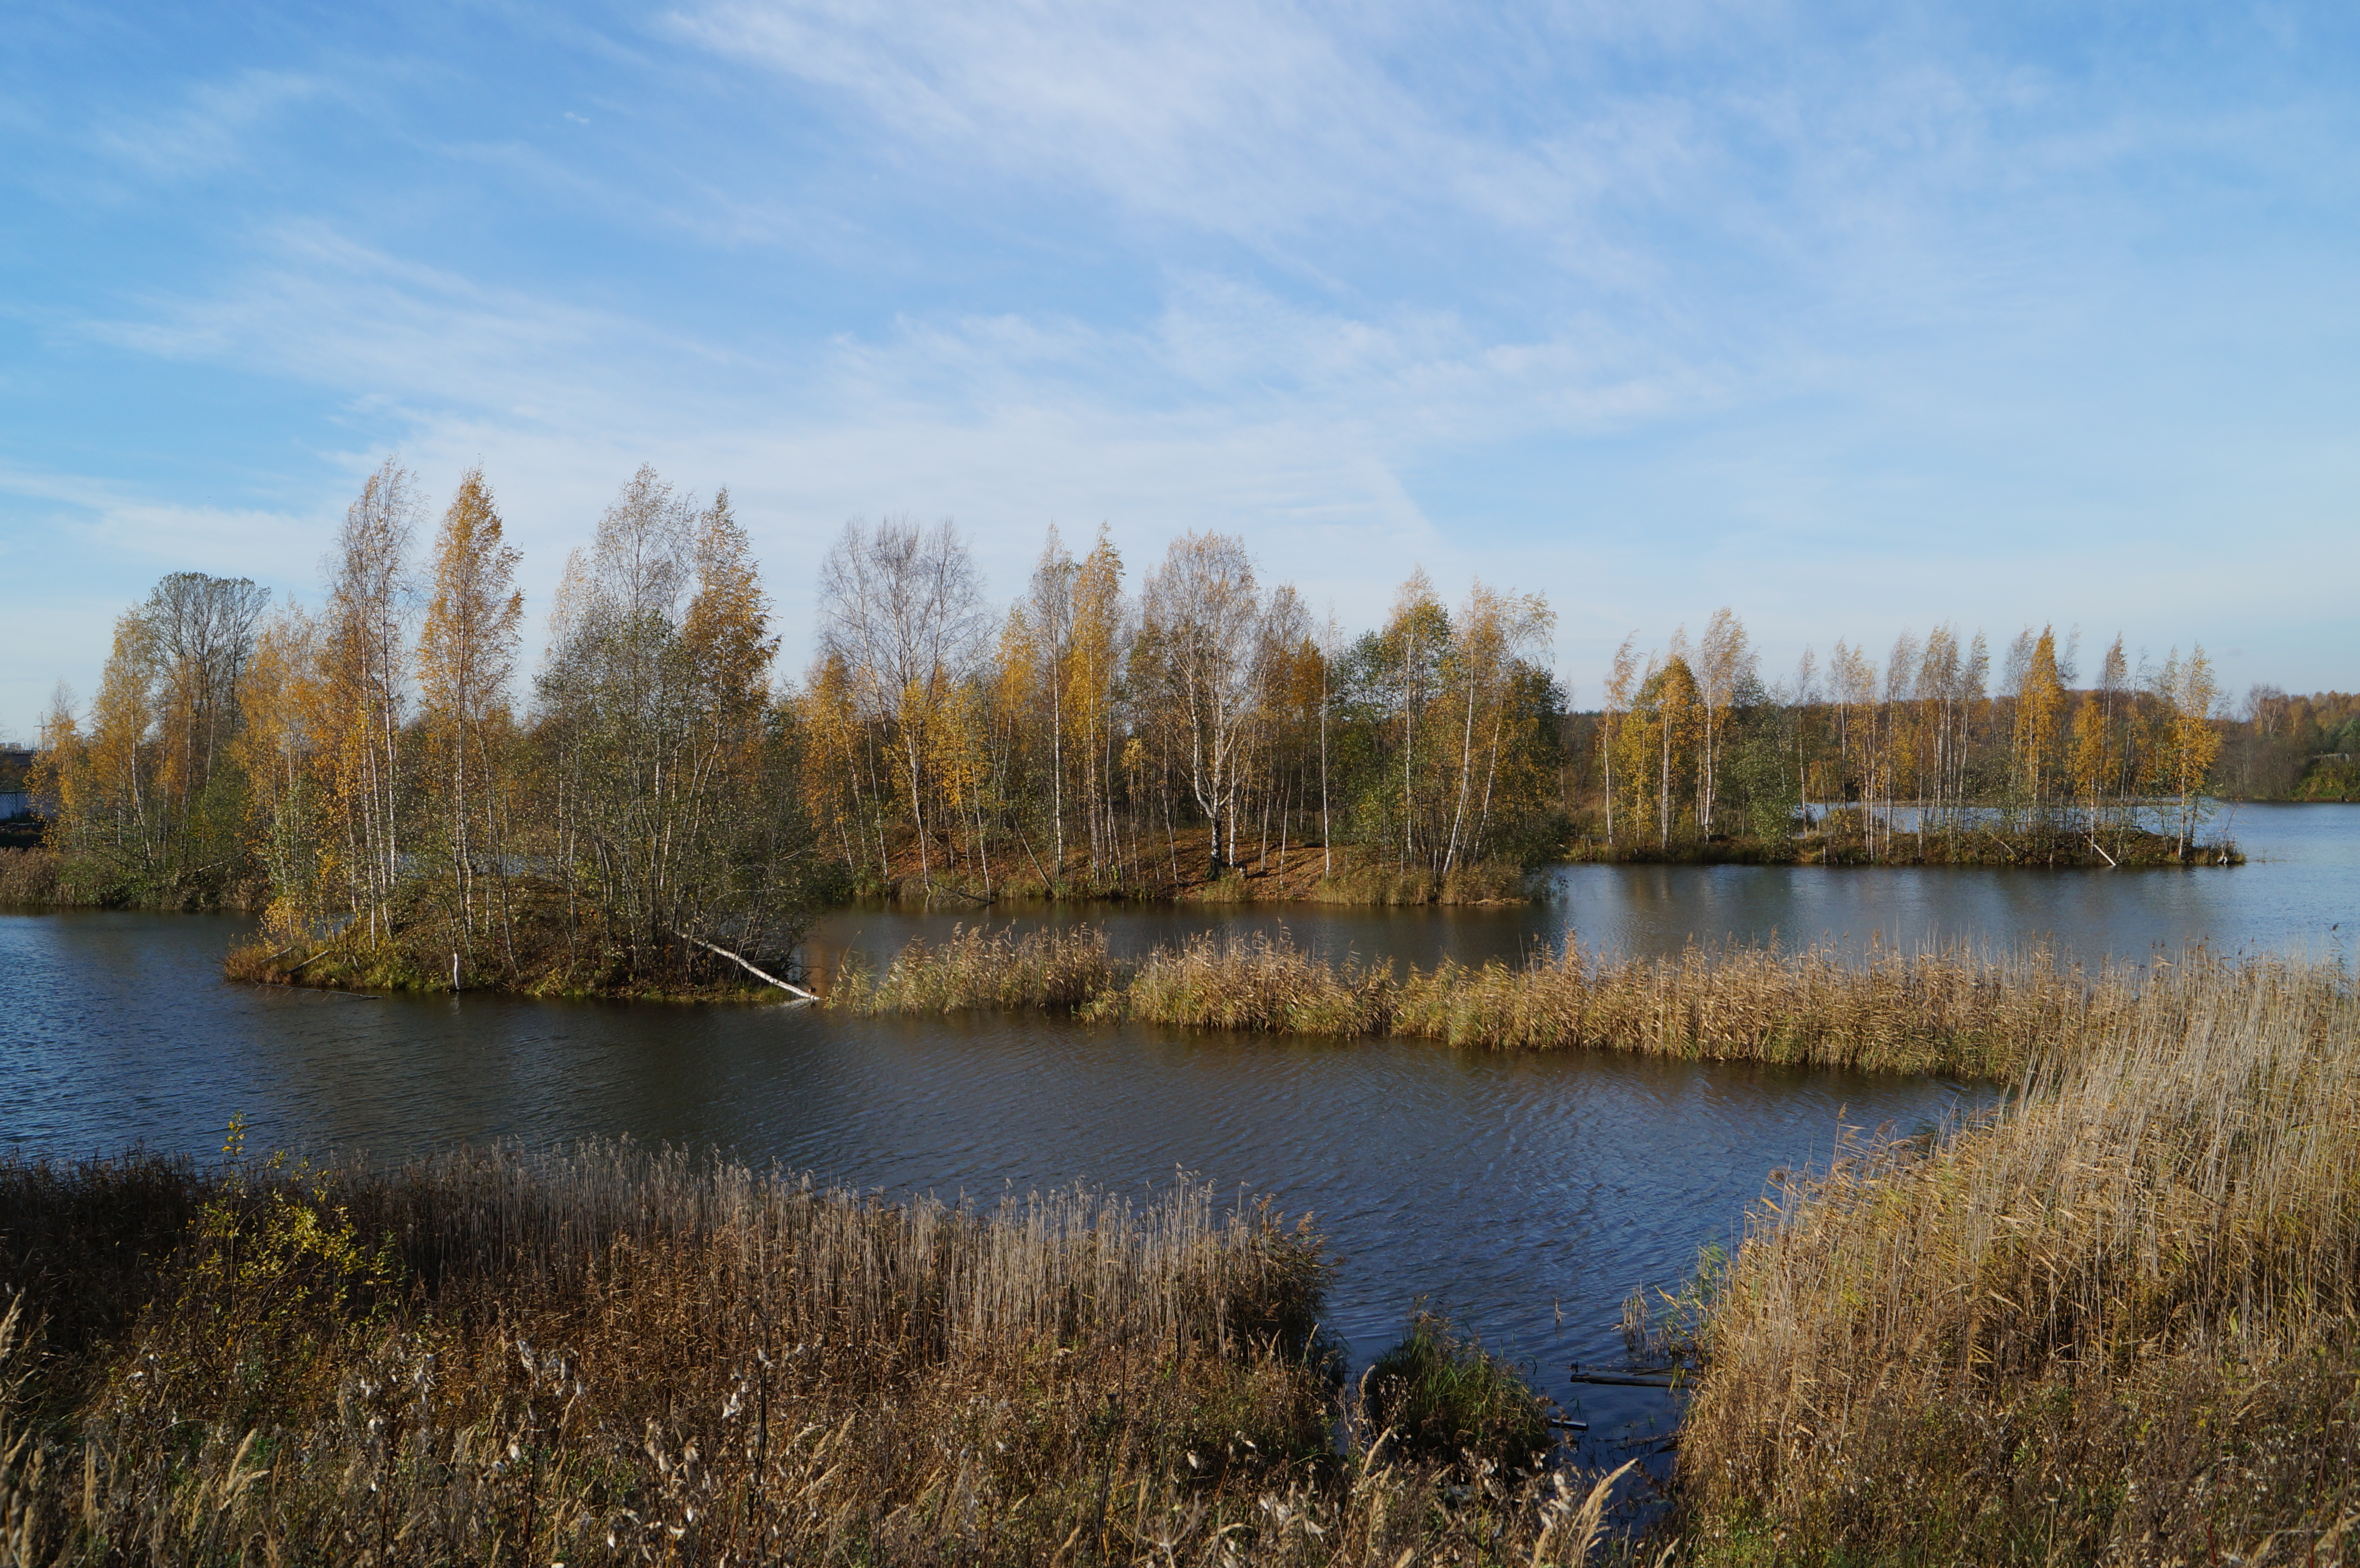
{"x": 805, "y": 997}
{"x": 1624, "y": 1379}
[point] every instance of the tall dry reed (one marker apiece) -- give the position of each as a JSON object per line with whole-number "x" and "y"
{"x": 1952, "y": 1010}
{"x": 619, "y": 1357}
{"x": 1055, "y": 968}
{"x": 1251, "y": 982}
{"x": 2118, "y": 1321}
{"x": 28, "y": 875}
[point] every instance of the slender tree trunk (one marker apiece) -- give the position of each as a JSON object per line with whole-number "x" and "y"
{"x": 1466, "y": 767}
{"x": 1606, "y": 729}
{"x": 1663, "y": 792}
{"x": 1326, "y": 837}
{"x": 1057, "y": 756}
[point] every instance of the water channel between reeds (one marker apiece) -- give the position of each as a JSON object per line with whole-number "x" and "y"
{"x": 1526, "y": 1192}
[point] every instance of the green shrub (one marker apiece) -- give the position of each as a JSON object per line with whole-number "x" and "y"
{"x": 1443, "y": 1396}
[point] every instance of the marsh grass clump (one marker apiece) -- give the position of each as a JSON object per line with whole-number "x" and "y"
{"x": 1952, "y": 1010}
{"x": 623, "y": 1357}
{"x": 28, "y": 875}
{"x": 2117, "y": 1321}
{"x": 1053, "y": 969}
{"x": 1253, "y": 981}
{"x": 1443, "y": 1397}
{"x": 1949, "y": 1010}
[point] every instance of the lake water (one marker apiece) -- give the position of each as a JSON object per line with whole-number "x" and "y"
{"x": 1527, "y": 1194}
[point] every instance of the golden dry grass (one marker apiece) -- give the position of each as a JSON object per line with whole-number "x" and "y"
{"x": 623, "y": 1357}
{"x": 1952, "y": 1010}
{"x": 2119, "y": 1321}
{"x": 1058, "y": 968}
{"x": 28, "y": 877}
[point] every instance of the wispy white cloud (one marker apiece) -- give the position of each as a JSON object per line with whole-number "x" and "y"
{"x": 98, "y": 517}
{"x": 325, "y": 309}
{"x": 1252, "y": 120}
{"x": 215, "y": 126}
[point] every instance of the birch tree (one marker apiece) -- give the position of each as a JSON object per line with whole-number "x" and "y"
{"x": 2186, "y": 691}
{"x": 2039, "y": 710}
{"x": 902, "y": 606}
{"x": 680, "y": 834}
{"x": 1197, "y": 616}
{"x": 366, "y": 652}
{"x": 1724, "y": 663}
{"x": 1620, "y": 677}
{"x": 466, "y": 656}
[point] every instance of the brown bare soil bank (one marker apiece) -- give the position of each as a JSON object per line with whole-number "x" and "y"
{"x": 1177, "y": 867}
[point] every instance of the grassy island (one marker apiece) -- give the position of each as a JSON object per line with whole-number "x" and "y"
{"x": 1954, "y": 1011}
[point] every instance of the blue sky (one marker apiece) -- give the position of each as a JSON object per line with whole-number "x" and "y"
{"x": 1856, "y": 318}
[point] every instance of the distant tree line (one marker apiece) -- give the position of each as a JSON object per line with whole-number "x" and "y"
{"x": 1934, "y": 754}
{"x": 2293, "y": 747}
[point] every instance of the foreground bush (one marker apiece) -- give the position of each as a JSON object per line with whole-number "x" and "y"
{"x": 1955, "y": 1011}
{"x": 1441, "y": 1395}
{"x": 2120, "y": 1321}
{"x": 545, "y": 942}
{"x": 619, "y": 1357}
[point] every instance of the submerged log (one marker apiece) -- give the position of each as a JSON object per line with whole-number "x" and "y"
{"x": 1624, "y": 1379}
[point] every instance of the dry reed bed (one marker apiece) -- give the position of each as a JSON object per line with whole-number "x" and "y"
{"x": 2118, "y": 1321}
{"x": 1952, "y": 1010}
{"x": 28, "y": 875}
{"x": 617, "y": 1356}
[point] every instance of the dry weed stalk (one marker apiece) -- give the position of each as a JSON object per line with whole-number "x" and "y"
{"x": 619, "y": 1356}
{"x": 2119, "y": 1321}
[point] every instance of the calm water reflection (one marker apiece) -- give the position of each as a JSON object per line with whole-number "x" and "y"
{"x": 2305, "y": 877}
{"x": 1514, "y": 1188}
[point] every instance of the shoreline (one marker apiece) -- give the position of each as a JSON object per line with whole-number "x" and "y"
{"x": 31, "y": 877}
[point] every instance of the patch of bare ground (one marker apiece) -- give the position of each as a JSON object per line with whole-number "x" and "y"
{"x": 1177, "y": 867}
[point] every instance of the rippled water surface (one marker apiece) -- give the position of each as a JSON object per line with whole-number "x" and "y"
{"x": 1527, "y": 1193}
